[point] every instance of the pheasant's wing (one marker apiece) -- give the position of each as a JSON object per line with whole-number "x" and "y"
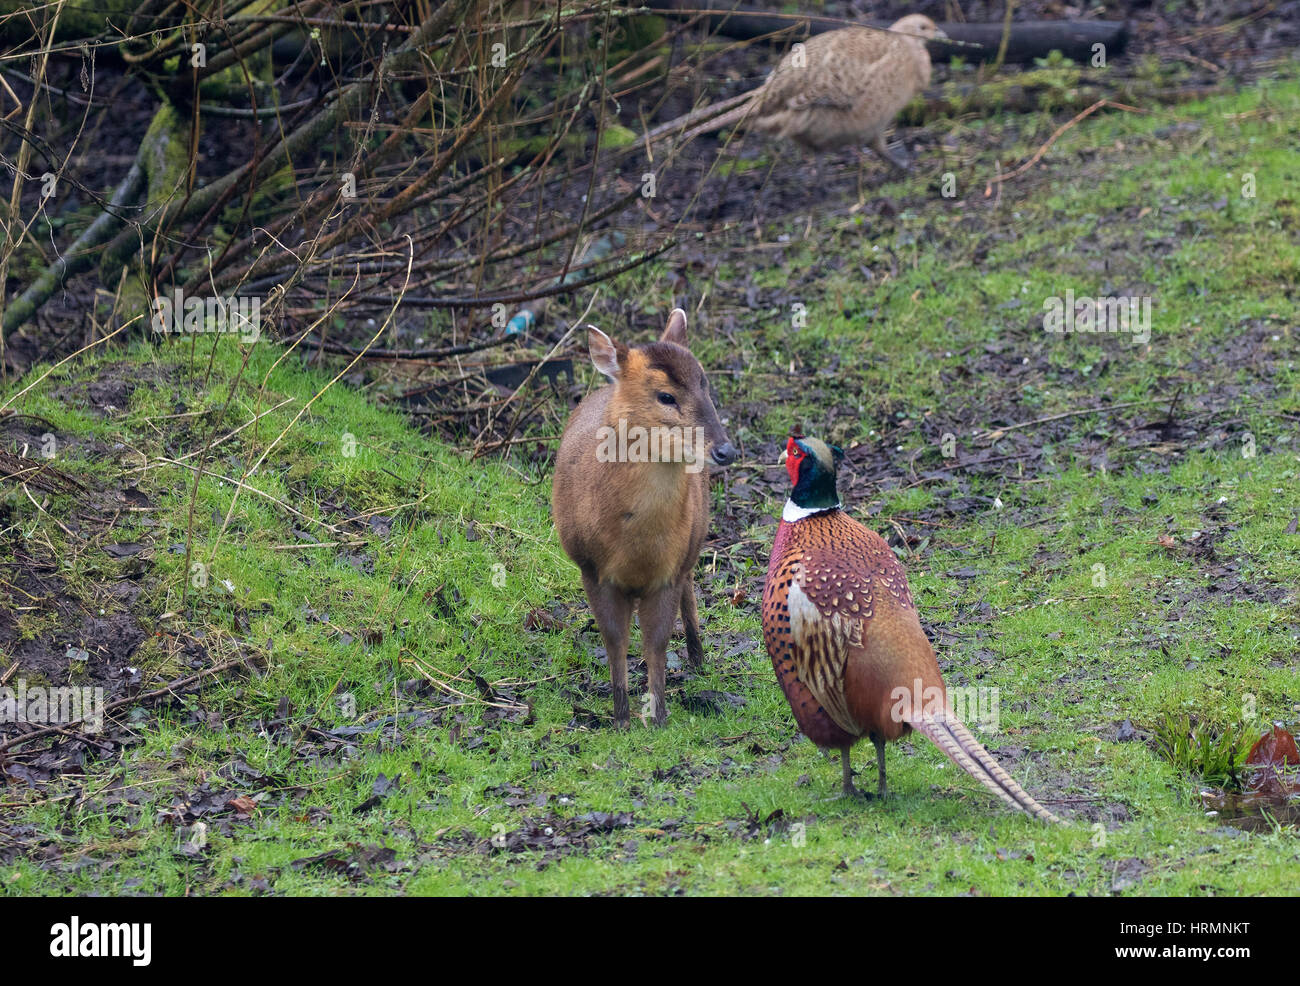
{"x": 820, "y": 647}
{"x": 829, "y": 71}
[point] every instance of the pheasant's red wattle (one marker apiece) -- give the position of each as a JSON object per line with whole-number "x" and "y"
{"x": 793, "y": 454}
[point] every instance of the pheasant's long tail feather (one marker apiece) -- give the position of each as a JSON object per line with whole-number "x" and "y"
{"x": 736, "y": 115}
{"x": 708, "y": 113}
{"x": 950, "y": 735}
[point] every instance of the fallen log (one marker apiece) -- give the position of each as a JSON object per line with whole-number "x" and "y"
{"x": 974, "y": 42}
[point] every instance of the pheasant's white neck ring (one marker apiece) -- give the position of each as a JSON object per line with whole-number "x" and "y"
{"x": 794, "y": 512}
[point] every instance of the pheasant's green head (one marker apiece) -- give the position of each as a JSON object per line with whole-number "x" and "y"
{"x": 812, "y": 465}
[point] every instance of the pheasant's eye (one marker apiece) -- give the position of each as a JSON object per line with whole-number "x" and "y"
{"x": 667, "y": 399}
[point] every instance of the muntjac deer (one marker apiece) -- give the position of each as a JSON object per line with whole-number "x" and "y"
{"x": 630, "y": 498}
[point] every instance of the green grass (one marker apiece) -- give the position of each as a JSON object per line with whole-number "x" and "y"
{"x": 1076, "y": 612}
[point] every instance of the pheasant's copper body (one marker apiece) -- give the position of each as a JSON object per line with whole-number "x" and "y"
{"x": 845, "y": 639}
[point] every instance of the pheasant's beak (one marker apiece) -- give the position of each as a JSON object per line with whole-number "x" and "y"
{"x": 782, "y": 457}
{"x": 939, "y": 35}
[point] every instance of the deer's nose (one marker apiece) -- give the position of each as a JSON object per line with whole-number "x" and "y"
{"x": 723, "y": 455}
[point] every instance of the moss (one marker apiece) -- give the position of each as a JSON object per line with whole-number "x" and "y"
{"x": 617, "y": 135}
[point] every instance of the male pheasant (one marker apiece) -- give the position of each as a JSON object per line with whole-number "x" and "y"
{"x": 845, "y": 640}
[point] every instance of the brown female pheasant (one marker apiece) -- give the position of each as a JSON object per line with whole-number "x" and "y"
{"x": 845, "y": 640}
{"x": 836, "y": 89}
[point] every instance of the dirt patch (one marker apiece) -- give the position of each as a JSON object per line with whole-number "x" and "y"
{"x": 79, "y": 596}
{"x": 106, "y": 389}
{"x": 92, "y": 651}
{"x": 31, "y": 436}
{"x": 95, "y": 636}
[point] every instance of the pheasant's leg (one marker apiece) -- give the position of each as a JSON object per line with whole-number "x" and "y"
{"x": 691, "y": 621}
{"x": 613, "y": 611}
{"x": 849, "y": 789}
{"x": 878, "y": 145}
{"x": 658, "y": 614}
{"x": 880, "y": 767}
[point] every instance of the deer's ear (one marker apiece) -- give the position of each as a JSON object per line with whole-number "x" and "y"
{"x": 604, "y": 353}
{"x": 676, "y": 328}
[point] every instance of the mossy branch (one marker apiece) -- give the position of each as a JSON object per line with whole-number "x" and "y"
{"x": 79, "y": 256}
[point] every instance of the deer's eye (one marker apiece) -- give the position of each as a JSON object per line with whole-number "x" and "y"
{"x": 667, "y": 399}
